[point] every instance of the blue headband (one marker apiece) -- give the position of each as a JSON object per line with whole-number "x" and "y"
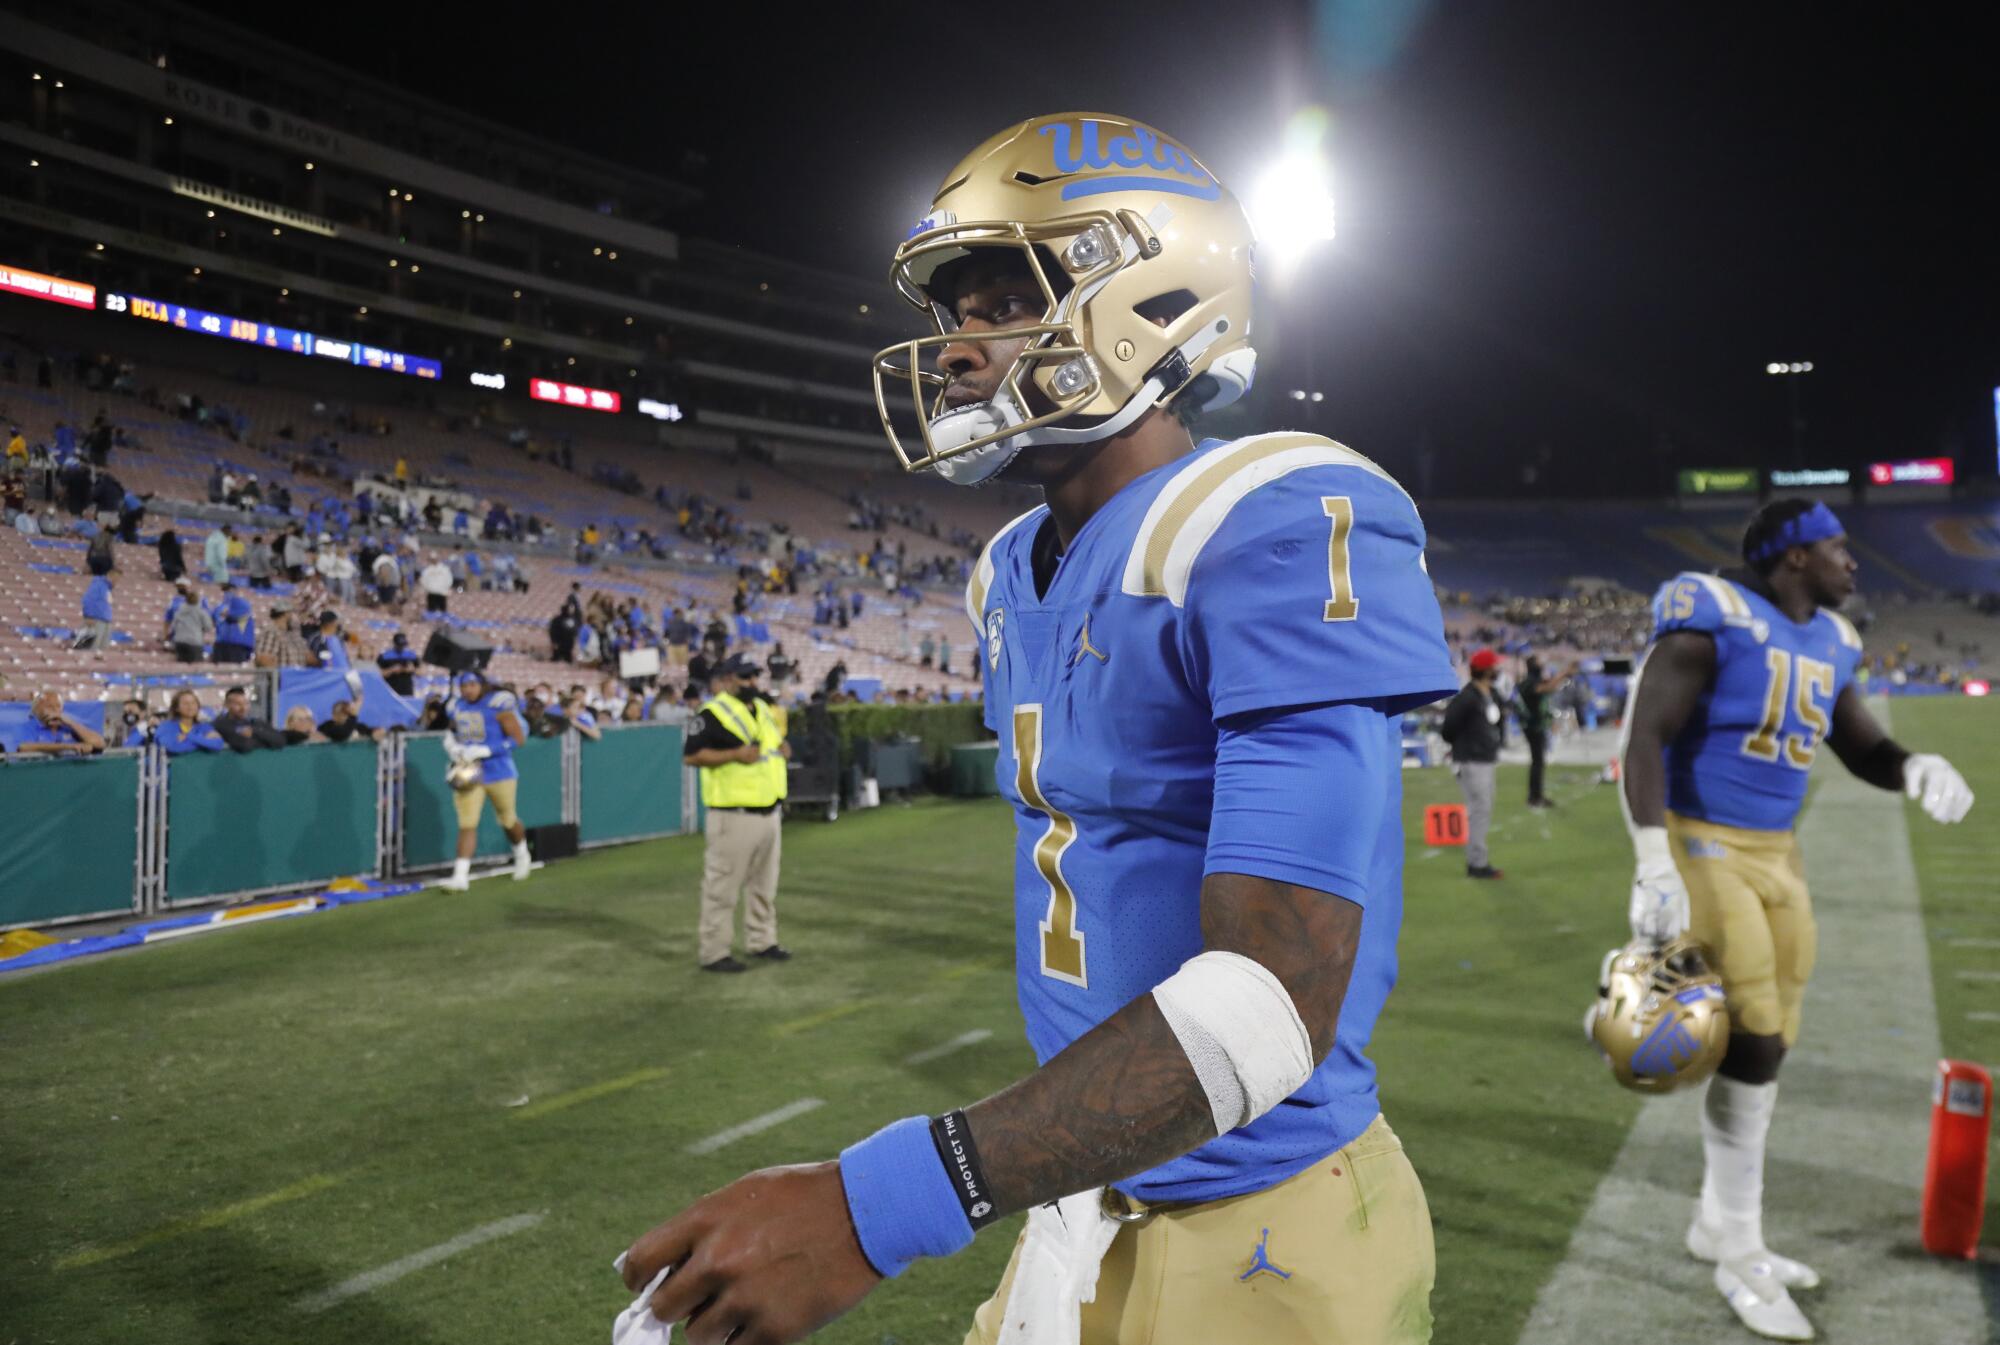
{"x": 1814, "y": 525}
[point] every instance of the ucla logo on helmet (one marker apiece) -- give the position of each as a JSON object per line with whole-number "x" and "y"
{"x": 1167, "y": 167}
{"x": 935, "y": 220}
{"x": 995, "y": 619}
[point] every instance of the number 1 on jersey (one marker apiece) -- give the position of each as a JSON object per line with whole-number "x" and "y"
{"x": 1342, "y": 606}
{"x": 1062, "y": 941}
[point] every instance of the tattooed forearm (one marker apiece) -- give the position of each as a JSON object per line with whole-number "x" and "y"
{"x": 1122, "y": 1098}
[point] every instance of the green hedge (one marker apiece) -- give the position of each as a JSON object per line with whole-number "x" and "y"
{"x": 936, "y": 727}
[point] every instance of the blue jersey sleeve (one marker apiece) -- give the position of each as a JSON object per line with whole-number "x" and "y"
{"x": 1299, "y": 796}
{"x": 1691, "y": 601}
{"x": 1311, "y": 589}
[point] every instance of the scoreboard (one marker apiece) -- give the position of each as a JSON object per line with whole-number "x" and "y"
{"x": 270, "y": 337}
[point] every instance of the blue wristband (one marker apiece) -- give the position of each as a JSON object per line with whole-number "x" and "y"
{"x": 901, "y": 1198}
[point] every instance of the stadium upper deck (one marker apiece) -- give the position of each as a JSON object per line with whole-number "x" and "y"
{"x": 159, "y": 153}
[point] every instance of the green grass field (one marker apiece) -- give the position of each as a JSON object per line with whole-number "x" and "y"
{"x": 203, "y": 1134}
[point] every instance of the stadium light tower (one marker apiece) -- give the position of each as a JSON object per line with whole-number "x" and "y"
{"x": 1291, "y": 203}
{"x": 1791, "y": 371}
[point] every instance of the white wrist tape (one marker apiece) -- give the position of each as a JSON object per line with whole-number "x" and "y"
{"x": 1653, "y": 850}
{"x": 1241, "y": 1032}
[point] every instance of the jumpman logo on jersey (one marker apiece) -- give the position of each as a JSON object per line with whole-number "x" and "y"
{"x": 1260, "y": 1261}
{"x": 1083, "y": 646}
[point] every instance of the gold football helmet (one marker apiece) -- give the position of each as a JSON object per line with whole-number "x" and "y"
{"x": 464, "y": 775}
{"x": 1120, "y": 226}
{"x": 1660, "y": 1021}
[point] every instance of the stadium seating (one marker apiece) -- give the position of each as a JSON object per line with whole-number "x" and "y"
{"x": 1486, "y": 557}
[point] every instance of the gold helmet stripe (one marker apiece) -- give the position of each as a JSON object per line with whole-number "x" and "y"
{"x": 1191, "y": 507}
{"x": 982, "y": 576}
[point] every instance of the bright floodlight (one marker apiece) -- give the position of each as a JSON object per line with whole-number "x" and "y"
{"x": 1291, "y": 203}
{"x": 1298, "y": 394}
{"x": 1774, "y": 368}
{"x": 1319, "y": 396}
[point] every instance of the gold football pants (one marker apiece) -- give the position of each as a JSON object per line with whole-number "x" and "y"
{"x": 469, "y": 801}
{"x": 1747, "y": 902}
{"x": 1339, "y": 1254}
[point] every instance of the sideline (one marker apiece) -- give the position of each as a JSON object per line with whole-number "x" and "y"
{"x": 1846, "y": 1158}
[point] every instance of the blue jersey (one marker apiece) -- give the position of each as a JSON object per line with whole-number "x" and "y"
{"x": 234, "y": 622}
{"x": 1742, "y": 758}
{"x": 1270, "y": 572}
{"x": 176, "y": 741}
{"x": 477, "y": 724}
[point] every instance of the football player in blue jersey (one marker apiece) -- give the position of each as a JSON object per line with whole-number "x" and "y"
{"x": 485, "y": 729}
{"x": 1195, "y": 657}
{"x": 1747, "y": 673}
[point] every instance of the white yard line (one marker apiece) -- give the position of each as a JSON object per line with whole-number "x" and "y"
{"x": 755, "y": 1125}
{"x": 1970, "y": 975}
{"x": 1847, "y": 1144}
{"x": 368, "y": 1281}
{"x": 962, "y": 1040}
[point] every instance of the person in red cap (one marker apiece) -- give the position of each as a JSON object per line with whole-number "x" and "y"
{"x": 1472, "y": 729}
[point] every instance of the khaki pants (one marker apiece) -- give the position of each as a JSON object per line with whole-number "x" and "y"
{"x": 1748, "y": 905}
{"x": 1339, "y": 1254}
{"x": 741, "y": 857}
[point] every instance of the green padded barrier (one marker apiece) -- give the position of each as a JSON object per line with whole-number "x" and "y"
{"x": 430, "y": 827}
{"x": 70, "y": 844}
{"x": 242, "y": 822}
{"x": 631, "y": 783}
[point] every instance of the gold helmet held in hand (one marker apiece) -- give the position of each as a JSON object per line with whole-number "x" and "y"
{"x": 1660, "y": 1021}
{"x": 1144, "y": 266}
{"x": 464, "y": 775}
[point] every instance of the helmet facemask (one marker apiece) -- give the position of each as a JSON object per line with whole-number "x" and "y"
{"x": 1073, "y": 260}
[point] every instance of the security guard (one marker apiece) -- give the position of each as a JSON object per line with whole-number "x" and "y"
{"x": 739, "y": 744}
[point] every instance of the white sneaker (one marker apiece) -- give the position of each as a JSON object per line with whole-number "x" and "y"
{"x": 1702, "y": 1246}
{"x": 1750, "y": 1284}
{"x": 454, "y": 884}
{"x": 522, "y": 865}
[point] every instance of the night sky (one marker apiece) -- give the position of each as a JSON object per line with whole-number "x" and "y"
{"x": 1570, "y": 236}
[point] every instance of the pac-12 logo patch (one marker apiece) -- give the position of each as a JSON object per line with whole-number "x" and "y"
{"x": 995, "y": 620}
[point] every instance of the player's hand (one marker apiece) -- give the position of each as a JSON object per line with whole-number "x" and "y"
{"x": 749, "y": 754}
{"x": 1659, "y": 909}
{"x": 768, "y": 1259}
{"x": 1932, "y": 782}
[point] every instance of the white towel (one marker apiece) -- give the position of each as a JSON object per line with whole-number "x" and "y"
{"x": 637, "y": 1325}
{"x": 1056, "y": 1272}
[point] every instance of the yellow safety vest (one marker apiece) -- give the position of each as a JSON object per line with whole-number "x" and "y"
{"x": 739, "y": 784}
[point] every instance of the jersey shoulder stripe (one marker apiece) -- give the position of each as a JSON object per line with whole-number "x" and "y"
{"x": 1196, "y": 499}
{"x": 1844, "y": 628}
{"x": 1735, "y": 608}
{"x": 982, "y": 574}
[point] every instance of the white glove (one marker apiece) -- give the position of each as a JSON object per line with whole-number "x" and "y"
{"x": 462, "y": 752}
{"x": 1942, "y": 791}
{"x": 1659, "y": 894}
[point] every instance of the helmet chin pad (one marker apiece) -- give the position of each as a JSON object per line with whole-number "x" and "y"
{"x": 964, "y": 424}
